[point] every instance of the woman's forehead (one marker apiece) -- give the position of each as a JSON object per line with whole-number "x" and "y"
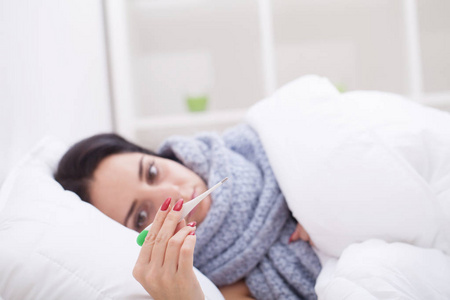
{"x": 129, "y": 160}
{"x": 114, "y": 178}
{"x": 116, "y": 168}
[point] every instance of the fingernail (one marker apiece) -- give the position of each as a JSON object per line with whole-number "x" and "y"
{"x": 192, "y": 233}
{"x": 178, "y": 205}
{"x": 166, "y": 204}
{"x": 192, "y": 224}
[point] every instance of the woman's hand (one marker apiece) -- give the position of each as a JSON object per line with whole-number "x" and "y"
{"x": 300, "y": 234}
{"x": 165, "y": 264}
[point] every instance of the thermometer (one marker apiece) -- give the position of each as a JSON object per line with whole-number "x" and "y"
{"x": 187, "y": 208}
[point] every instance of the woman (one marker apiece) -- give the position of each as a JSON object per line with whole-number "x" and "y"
{"x": 243, "y": 234}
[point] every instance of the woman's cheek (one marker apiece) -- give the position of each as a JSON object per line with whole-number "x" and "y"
{"x": 203, "y": 211}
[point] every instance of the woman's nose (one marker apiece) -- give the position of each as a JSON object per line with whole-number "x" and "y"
{"x": 163, "y": 191}
{"x": 178, "y": 192}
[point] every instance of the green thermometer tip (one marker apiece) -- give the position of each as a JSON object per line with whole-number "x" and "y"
{"x": 141, "y": 237}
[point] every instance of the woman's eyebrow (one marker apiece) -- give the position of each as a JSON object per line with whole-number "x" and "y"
{"x": 141, "y": 167}
{"x": 130, "y": 212}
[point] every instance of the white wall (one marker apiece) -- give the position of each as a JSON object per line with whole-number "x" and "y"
{"x": 53, "y": 77}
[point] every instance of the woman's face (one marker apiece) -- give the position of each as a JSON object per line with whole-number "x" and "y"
{"x": 130, "y": 188}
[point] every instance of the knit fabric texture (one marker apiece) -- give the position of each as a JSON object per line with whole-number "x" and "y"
{"x": 246, "y": 231}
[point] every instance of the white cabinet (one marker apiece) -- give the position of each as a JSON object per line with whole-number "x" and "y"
{"x": 235, "y": 52}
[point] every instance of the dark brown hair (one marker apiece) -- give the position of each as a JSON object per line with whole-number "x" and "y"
{"x": 76, "y": 168}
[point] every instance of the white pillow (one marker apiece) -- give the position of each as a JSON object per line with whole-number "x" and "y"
{"x": 55, "y": 246}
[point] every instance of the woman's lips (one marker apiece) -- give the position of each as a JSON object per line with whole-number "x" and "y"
{"x": 191, "y": 212}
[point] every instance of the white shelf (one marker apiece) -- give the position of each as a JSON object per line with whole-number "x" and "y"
{"x": 150, "y": 40}
{"x": 194, "y": 119}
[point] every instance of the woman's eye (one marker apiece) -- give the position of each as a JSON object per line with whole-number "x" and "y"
{"x": 152, "y": 172}
{"x": 141, "y": 219}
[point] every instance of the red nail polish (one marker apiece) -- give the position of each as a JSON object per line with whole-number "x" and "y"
{"x": 178, "y": 205}
{"x": 192, "y": 233}
{"x": 166, "y": 204}
{"x": 192, "y": 224}
{"x": 291, "y": 238}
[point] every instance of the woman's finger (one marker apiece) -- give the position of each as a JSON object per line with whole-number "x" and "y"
{"x": 186, "y": 258}
{"x": 180, "y": 225}
{"x": 146, "y": 250}
{"x": 304, "y": 235}
{"x": 174, "y": 245}
{"x": 299, "y": 234}
{"x": 165, "y": 233}
{"x": 296, "y": 234}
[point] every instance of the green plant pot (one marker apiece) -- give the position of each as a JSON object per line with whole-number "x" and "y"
{"x": 199, "y": 103}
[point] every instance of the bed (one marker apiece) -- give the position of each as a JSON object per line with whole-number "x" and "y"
{"x": 366, "y": 173}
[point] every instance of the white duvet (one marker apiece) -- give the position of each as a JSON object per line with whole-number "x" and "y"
{"x": 368, "y": 176}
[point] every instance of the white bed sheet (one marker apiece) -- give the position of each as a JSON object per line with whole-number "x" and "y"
{"x": 378, "y": 270}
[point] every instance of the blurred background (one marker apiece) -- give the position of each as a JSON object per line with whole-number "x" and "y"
{"x": 151, "y": 68}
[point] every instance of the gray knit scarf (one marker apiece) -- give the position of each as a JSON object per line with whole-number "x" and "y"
{"x": 246, "y": 231}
